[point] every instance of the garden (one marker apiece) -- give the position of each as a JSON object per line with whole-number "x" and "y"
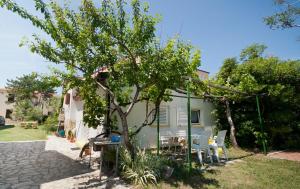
{"x": 114, "y": 59}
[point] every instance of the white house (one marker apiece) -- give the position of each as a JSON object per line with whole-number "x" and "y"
{"x": 173, "y": 117}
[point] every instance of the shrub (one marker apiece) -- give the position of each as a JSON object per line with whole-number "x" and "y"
{"x": 146, "y": 168}
{"x": 51, "y": 123}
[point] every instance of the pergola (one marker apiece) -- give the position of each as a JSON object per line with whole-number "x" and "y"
{"x": 188, "y": 97}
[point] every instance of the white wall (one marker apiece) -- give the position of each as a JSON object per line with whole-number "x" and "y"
{"x": 147, "y": 136}
{"x": 74, "y": 114}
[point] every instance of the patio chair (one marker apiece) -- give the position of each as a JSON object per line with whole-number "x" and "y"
{"x": 220, "y": 143}
{"x": 200, "y": 144}
{"x": 180, "y": 139}
{"x": 165, "y": 141}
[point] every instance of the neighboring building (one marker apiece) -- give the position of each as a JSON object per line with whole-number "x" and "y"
{"x": 7, "y": 101}
{"x": 203, "y": 75}
{"x": 173, "y": 117}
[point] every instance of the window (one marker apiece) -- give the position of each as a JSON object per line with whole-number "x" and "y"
{"x": 8, "y": 114}
{"x": 11, "y": 98}
{"x": 67, "y": 98}
{"x": 195, "y": 116}
{"x": 182, "y": 117}
{"x": 163, "y": 115}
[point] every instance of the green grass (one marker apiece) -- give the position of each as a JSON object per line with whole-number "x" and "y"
{"x": 254, "y": 171}
{"x": 17, "y": 133}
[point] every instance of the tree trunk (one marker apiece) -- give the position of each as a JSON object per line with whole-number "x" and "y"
{"x": 232, "y": 127}
{"x": 125, "y": 132}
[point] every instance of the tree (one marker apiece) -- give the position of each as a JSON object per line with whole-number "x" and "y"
{"x": 32, "y": 92}
{"x": 287, "y": 18}
{"x": 118, "y": 37}
{"x": 223, "y": 78}
{"x": 33, "y": 87}
{"x": 277, "y": 84}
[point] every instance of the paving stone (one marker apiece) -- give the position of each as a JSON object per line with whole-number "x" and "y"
{"x": 47, "y": 165}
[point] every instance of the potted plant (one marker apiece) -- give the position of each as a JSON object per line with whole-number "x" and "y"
{"x": 69, "y": 135}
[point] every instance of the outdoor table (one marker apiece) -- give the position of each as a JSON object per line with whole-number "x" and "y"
{"x": 102, "y": 144}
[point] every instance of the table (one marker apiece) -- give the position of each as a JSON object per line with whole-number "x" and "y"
{"x": 102, "y": 144}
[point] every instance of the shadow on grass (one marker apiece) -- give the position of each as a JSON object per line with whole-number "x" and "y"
{"x": 6, "y": 127}
{"x": 194, "y": 178}
{"x": 197, "y": 178}
{"x": 94, "y": 182}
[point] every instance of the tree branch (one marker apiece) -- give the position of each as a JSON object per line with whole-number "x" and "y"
{"x": 133, "y": 101}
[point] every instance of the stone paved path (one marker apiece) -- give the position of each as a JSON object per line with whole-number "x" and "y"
{"x": 47, "y": 164}
{"x": 288, "y": 155}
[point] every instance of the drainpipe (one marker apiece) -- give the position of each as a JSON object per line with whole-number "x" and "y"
{"x": 189, "y": 126}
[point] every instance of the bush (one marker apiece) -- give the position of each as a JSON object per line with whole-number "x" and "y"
{"x": 146, "y": 168}
{"x": 51, "y": 123}
{"x": 25, "y": 111}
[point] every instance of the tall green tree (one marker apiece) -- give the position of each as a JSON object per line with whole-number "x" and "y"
{"x": 119, "y": 37}
{"x": 33, "y": 86}
{"x": 32, "y": 93}
{"x": 277, "y": 84}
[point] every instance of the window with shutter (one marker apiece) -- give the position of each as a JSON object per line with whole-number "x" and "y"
{"x": 182, "y": 117}
{"x": 163, "y": 115}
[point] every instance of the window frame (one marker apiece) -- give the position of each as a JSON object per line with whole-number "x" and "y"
{"x": 199, "y": 116}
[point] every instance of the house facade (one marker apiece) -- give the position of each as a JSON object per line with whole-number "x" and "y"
{"x": 7, "y": 101}
{"x": 173, "y": 118}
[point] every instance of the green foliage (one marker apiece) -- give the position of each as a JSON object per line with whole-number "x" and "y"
{"x": 51, "y": 123}
{"x": 33, "y": 93}
{"x": 145, "y": 169}
{"x": 28, "y": 86}
{"x": 288, "y": 17}
{"x": 277, "y": 83}
{"x": 26, "y": 111}
{"x": 116, "y": 36}
{"x": 253, "y": 51}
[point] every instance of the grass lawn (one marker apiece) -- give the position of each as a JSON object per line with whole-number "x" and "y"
{"x": 253, "y": 171}
{"x": 17, "y": 133}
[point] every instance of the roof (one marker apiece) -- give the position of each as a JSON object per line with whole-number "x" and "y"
{"x": 202, "y": 70}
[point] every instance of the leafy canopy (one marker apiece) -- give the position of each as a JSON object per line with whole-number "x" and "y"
{"x": 118, "y": 37}
{"x": 277, "y": 83}
{"x": 288, "y": 17}
{"x": 27, "y": 86}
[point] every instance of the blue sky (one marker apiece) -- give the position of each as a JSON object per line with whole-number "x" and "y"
{"x": 219, "y": 28}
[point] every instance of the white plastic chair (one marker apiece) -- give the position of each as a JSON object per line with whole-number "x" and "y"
{"x": 220, "y": 142}
{"x": 200, "y": 144}
{"x": 165, "y": 141}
